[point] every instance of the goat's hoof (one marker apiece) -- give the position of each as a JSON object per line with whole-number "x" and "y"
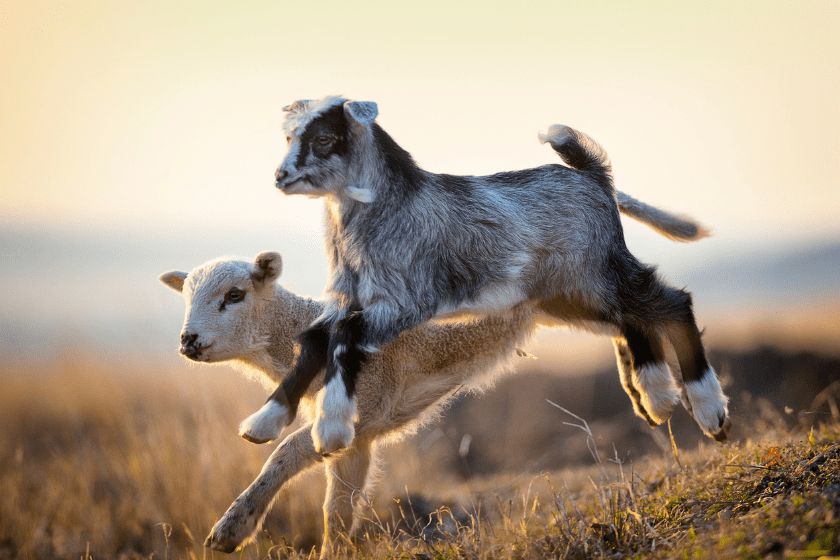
{"x": 333, "y": 428}
{"x": 708, "y": 406}
{"x": 659, "y": 406}
{"x": 659, "y": 394}
{"x": 330, "y": 436}
{"x": 248, "y": 437}
{"x": 723, "y": 434}
{"x": 265, "y": 424}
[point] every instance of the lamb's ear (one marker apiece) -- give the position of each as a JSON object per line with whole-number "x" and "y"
{"x": 361, "y": 112}
{"x": 267, "y": 267}
{"x": 174, "y": 280}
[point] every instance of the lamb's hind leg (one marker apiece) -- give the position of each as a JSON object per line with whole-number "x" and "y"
{"x": 245, "y": 516}
{"x": 347, "y": 479}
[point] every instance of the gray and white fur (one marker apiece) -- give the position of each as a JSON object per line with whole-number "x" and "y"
{"x": 406, "y": 245}
{"x": 237, "y": 314}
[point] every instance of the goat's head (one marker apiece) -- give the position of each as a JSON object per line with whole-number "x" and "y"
{"x": 224, "y": 299}
{"x": 326, "y": 142}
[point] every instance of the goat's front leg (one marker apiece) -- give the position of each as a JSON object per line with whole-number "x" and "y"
{"x": 280, "y": 409}
{"x": 245, "y": 516}
{"x": 351, "y": 339}
{"x": 333, "y": 428}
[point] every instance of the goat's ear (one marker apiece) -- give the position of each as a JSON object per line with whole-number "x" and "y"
{"x": 267, "y": 267}
{"x": 361, "y": 112}
{"x": 174, "y": 280}
{"x": 296, "y": 106}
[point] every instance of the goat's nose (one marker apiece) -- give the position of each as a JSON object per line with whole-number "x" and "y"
{"x": 188, "y": 339}
{"x": 280, "y": 174}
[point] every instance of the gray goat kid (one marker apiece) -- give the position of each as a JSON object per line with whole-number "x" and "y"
{"x": 406, "y": 245}
{"x": 238, "y": 314}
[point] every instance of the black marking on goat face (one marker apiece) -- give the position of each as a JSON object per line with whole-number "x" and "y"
{"x": 325, "y": 136}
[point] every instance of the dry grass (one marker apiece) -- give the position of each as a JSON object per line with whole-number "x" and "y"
{"x": 105, "y": 461}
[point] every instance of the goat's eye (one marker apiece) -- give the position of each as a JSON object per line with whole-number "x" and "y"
{"x": 324, "y": 140}
{"x": 234, "y": 295}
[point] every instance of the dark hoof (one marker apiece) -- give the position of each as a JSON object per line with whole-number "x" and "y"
{"x": 723, "y": 434}
{"x": 222, "y": 546}
{"x": 246, "y": 437}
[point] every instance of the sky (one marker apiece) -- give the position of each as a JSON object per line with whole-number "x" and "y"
{"x": 159, "y": 122}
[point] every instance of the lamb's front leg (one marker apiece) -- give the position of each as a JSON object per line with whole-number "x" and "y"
{"x": 279, "y": 411}
{"x": 245, "y": 516}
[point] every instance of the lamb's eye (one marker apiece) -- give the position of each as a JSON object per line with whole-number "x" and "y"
{"x": 288, "y": 139}
{"x": 234, "y": 295}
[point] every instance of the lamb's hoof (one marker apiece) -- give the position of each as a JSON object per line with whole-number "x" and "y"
{"x": 232, "y": 530}
{"x": 221, "y": 545}
{"x": 265, "y": 424}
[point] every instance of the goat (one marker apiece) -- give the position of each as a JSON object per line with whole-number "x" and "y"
{"x": 236, "y": 312}
{"x": 406, "y": 245}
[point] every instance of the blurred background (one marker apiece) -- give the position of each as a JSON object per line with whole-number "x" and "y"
{"x": 142, "y": 137}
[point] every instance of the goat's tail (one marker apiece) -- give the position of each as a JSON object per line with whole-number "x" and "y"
{"x": 584, "y": 154}
{"x": 673, "y": 226}
{"x": 580, "y": 152}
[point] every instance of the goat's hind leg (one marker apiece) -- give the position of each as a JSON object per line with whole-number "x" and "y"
{"x": 245, "y": 516}
{"x": 650, "y": 374}
{"x": 280, "y": 409}
{"x": 625, "y": 371}
{"x": 702, "y": 394}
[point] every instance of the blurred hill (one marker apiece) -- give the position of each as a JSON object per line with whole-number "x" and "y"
{"x": 810, "y": 272}
{"x": 99, "y": 290}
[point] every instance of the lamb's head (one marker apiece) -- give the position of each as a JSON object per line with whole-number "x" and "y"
{"x": 327, "y": 141}
{"x": 225, "y": 299}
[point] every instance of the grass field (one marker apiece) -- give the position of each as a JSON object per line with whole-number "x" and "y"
{"x": 107, "y": 460}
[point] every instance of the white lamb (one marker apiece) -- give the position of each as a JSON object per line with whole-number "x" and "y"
{"x": 236, "y": 312}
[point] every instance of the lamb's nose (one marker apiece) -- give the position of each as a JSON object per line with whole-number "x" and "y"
{"x": 280, "y": 175}
{"x": 188, "y": 339}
